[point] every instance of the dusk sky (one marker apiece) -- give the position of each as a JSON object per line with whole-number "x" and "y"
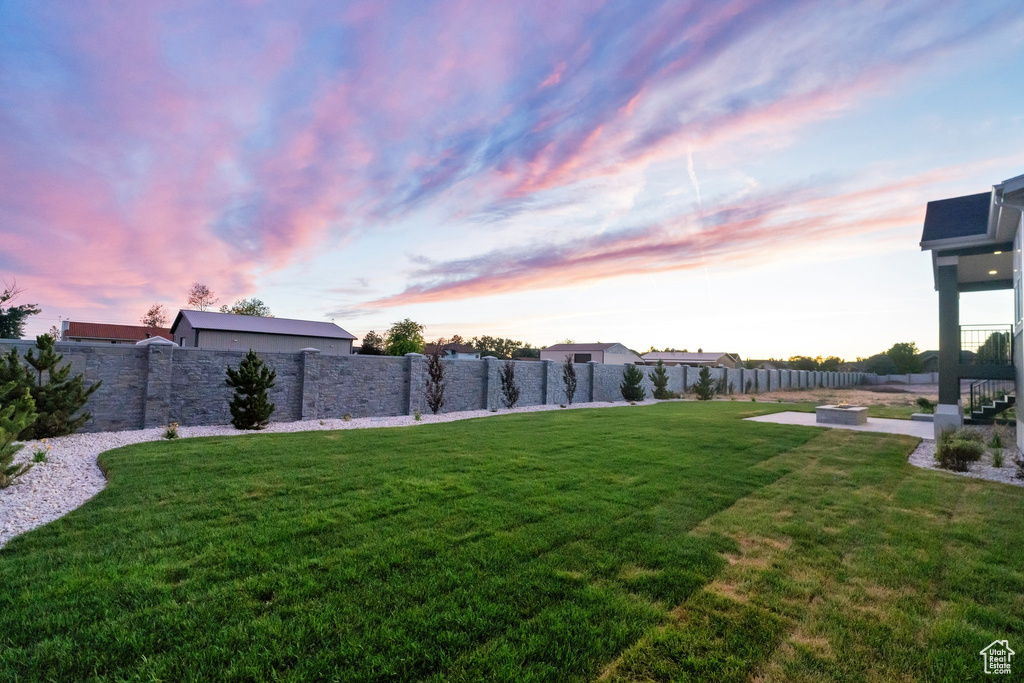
{"x": 737, "y": 176}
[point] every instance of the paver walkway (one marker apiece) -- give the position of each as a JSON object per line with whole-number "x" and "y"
{"x": 922, "y": 430}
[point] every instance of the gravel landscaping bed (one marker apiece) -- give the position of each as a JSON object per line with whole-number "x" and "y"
{"x": 924, "y": 457}
{"x": 71, "y": 476}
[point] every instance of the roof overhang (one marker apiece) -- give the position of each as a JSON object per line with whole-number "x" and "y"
{"x": 985, "y": 260}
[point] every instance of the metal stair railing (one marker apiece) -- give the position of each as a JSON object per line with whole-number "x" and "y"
{"x": 985, "y": 393}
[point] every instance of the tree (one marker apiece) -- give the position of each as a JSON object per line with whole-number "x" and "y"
{"x": 802, "y": 363}
{"x": 12, "y": 318}
{"x": 509, "y": 388}
{"x": 58, "y": 397}
{"x": 995, "y": 349}
{"x": 830, "y": 364}
{"x": 201, "y": 297}
{"x": 54, "y": 332}
{"x": 704, "y": 387}
{"x": 17, "y": 413}
{"x": 435, "y": 380}
{"x": 527, "y": 351}
{"x": 660, "y": 380}
{"x": 156, "y": 316}
{"x": 500, "y": 347}
{"x": 632, "y": 384}
{"x": 373, "y": 345}
{"x": 904, "y": 357}
{"x": 569, "y": 378}
{"x": 251, "y": 306}
{"x": 880, "y": 364}
{"x": 404, "y": 337}
{"x": 250, "y": 406}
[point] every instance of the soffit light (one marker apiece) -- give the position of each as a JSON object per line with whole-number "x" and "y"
{"x": 992, "y": 272}
{"x": 997, "y": 253}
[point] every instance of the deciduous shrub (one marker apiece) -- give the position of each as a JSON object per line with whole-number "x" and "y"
{"x": 958, "y": 449}
{"x": 925, "y": 405}
{"x": 660, "y": 380}
{"x": 17, "y": 413}
{"x": 58, "y": 396}
{"x": 509, "y": 388}
{"x": 250, "y": 406}
{"x": 632, "y": 384}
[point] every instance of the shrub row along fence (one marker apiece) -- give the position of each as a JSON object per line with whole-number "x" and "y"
{"x": 156, "y": 385}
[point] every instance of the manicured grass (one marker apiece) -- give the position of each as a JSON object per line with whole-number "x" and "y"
{"x": 666, "y": 543}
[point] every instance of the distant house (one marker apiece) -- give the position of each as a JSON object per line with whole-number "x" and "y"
{"x": 230, "y": 332}
{"x": 109, "y": 334}
{"x": 714, "y": 359}
{"x": 454, "y": 351}
{"x": 929, "y": 361}
{"x": 611, "y": 354}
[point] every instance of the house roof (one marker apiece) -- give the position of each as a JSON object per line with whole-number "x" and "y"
{"x": 684, "y": 356}
{"x": 458, "y": 348}
{"x": 230, "y": 322}
{"x": 580, "y": 347}
{"x": 958, "y": 217}
{"x": 114, "y": 332}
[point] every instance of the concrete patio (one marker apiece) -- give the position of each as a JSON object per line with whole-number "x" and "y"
{"x": 923, "y": 430}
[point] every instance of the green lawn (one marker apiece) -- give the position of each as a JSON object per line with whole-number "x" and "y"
{"x": 669, "y": 542}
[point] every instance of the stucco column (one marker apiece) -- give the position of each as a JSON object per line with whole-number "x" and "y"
{"x": 949, "y": 412}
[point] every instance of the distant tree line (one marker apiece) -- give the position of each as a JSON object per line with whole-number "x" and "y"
{"x": 406, "y": 336}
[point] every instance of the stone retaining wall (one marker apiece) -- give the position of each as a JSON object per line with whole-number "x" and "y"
{"x": 155, "y": 385}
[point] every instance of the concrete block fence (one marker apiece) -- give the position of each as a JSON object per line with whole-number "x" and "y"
{"x": 155, "y": 385}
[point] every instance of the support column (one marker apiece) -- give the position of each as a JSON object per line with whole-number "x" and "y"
{"x": 548, "y": 387}
{"x": 414, "y": 374}
{"x": 157, "y": 408}
{"x": 949, "y": 412}
{"x": 492, "y": 384}
{"x": 310, "y": 383}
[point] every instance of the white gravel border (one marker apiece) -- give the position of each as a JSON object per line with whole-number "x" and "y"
{"x": 70, "y": 476}
{"x": 924, "y": 457}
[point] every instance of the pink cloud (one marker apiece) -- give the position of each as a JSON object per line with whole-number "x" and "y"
{"x": 762, "y": 227}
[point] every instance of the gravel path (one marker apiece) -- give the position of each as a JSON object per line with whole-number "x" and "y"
{"x": 71, "y": 476}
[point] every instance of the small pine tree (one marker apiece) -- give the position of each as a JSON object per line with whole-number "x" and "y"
{"x": 57, "y": 395}
{"x": 704, "y": 388}
{"x": 17, "y": 413}
{"x": 435, "y": 380}
{"x": 660, "y": 379}
{"x": 508, "y": 384}
{"x": 632, "y": 384}
{"x": 569, "y": 378}
{"x": 250, "y": 406}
